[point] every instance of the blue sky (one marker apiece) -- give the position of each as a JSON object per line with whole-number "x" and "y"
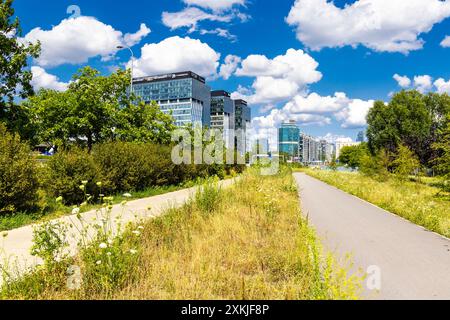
{"x": 352, "y": 48}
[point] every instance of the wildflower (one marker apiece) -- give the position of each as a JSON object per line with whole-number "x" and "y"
{"x": 103, "y": 246}
{"x": 109, "y": 254}
{"x": 132, "y": 251}
{"x": 136, "y": 233}
{"x": 99, "y": 184}
{"x": 59, "y": 199}
{"x": 127, "y": 195}
{"x": 76, "y": 210}
{"x": 85, "y": 182}
{"x": 99, "y": 262}
{"x": 110, "y": 242}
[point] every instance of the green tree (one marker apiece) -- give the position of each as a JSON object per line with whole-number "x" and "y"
{"x": 14, "y": 78}
{"x": 144, "y": 123}
{"x": 351, "y": 156}
{"x": 442, "y": 163}
{"x": 411, "y": 119}
{"x": 406, "y": 163}
{"x": 377, "y": 166}
{"x": 97, "y": 109}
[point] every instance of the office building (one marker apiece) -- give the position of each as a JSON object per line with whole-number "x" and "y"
{"x": 223, "y": 115}
{"x": 242, "y": 121}
{"x": 288, "y": 139}
{"x": 185, "y": 95}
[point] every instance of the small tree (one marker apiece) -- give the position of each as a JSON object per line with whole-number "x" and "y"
{"x": 376, "y": 166}
{"x": 406, "y": 163}
{"x": 442, "y": 165}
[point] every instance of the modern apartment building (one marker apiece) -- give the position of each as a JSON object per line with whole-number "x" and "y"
{"x": 242, "y": 121}
{"x": 309, "y": 149}
{"x": 223, "y": 115}
{"x": 288, "y": 139}
{"x": 185, "y": 95}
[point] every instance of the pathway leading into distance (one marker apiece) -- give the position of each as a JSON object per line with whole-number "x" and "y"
{"x": 413, "y": 262}
{"x": 16, "y": 247}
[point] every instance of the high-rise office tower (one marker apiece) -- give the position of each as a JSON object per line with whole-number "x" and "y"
{"x": 223, "y": 115}
{"x": 288, "y": 138}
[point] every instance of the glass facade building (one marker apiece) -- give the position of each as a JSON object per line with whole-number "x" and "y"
{"x": 222, "y": 115}
{"x": 288, "y": 139}
{"x": 242, "y": 120}
{"x": 185, "y": 95}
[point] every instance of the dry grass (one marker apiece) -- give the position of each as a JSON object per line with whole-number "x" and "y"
{"x": 420, "y": 203}
{"x": 253, "y": 244}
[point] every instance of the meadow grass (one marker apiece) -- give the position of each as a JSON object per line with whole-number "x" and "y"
{"x": 54, "y": 210}
{"x": 420, "y": 202}
{"x": 248, "y": 241}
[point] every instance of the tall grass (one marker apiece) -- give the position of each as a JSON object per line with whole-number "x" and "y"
{"x": 248, "y": 241}
{"x": 420, "y": 203}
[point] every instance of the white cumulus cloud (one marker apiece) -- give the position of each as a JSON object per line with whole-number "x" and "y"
{"x": 190, "y": 17}
{"x": 278, "y": 79}
{"x": 76, "y": 40}
{"x": 229, "y": 67}
{"x": 177, "y": 54}
{"x": 43, "y": 80}
{"x": 355, "y": 114}
{"x": 381, "y": 25}
{"x": 423, "y": 83}
{"x": 442, "y": 86}
{"x": 216, "y": 5}
{"x": 446, "y": 42}
{"x": 403, "y": 81}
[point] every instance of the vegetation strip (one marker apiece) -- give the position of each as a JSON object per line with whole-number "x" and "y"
{"x": 238, "y": 243}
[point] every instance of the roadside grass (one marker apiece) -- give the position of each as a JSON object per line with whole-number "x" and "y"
{"x": 419, "y": 202}
{"x": 55, "y": 210}
{"x": 248, "y": 241}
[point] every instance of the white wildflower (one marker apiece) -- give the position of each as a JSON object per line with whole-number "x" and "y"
{"x": 127, "y": 195}
{"x": 99, "y": 262}
{"x": 132, "y": 251}
{"x": 103, "y": 246}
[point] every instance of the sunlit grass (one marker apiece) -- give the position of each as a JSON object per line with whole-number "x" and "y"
{"x": 419, "y": 202}
{"x": 248, "y": 241}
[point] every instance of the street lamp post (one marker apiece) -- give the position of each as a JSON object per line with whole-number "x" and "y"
{"x": 132, "y": 64}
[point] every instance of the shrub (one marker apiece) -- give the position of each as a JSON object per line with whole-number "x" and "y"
{"x": 376, "y": 166}
{"x": 127, "y": 166}
{"x": 66, "y": 172}
{"x": 18, "y": 175}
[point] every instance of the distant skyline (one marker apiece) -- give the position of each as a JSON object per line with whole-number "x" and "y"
{"x": 318, "y": 62}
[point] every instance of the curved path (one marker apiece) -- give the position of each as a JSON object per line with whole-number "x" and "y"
{"x": 15, "y": 248}
{"x": 404, "y": 260}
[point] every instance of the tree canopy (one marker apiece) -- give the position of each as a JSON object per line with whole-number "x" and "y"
{"x": 411, "y": 119}
{"x": 351, "y": 156}
{"x": 15, "y": 80}
{"x": 96, "y": 109}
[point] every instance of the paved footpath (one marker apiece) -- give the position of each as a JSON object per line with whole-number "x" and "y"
{"x": 15, "y": 248}
{"x": 413, "y": 262}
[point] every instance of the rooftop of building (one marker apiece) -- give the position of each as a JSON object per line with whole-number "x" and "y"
{"x": 169, "y": 76}
{"x": 220, "y": 93}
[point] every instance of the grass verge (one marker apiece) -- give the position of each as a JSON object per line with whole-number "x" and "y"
{"x": 248, "y": 241}
{"x": 420, "y": 203}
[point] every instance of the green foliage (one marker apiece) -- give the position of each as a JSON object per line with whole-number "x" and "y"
{"x": 442, "y": 163}
{"x": 18, "y": 174}
{"x": 126, "y": 166}
{"x": 208, "y": 197}
{"x": 66, "y": 172}
{"x": 144, "y": 123}
{"x": 14, "y": 55}
{"x": 333, "y": 164}
{"x": 406, "y": 163}
{"x": 351, "y": 156}
{"x": 410, "y": 119}
{"x": 50, "y": 242}
{"x": 376, "y": 166}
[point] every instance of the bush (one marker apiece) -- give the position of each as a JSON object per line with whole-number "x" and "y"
{"x": 376, "y": 166}
{"x": 127, "y": 166}
{"x": 66, "y": 172}
{"x": 18, "y": 175}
